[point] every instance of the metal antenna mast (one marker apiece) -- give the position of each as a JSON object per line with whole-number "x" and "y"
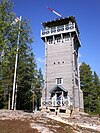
{"x": 54, "y": 12}
{"x": 16, "y": 60}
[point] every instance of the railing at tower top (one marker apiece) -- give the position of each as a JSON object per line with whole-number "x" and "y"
{"x": 59, "y": 30}
{"x": 55, "y": 102}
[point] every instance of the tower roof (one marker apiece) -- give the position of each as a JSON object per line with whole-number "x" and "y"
{"x": 60, "y": 21}
{"x": 57, "y": 87}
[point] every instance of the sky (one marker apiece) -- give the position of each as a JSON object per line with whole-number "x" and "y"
{"x": 87, "y": 14}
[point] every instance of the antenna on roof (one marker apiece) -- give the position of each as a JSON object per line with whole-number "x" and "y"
{"x": 54, "y": 12}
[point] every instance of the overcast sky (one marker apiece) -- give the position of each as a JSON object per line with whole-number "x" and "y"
{"x": 87, "y": 14}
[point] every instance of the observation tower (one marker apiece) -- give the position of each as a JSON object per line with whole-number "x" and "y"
{"x": 61, "y": 91}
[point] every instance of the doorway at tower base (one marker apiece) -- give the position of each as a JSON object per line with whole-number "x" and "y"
{"x": 65, "y": 111}
{"x": 59, "y": 101}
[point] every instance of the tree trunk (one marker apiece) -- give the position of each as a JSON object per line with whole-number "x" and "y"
{"x": 9, "y": 100}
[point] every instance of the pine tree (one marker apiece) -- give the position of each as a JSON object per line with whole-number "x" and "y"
{"x": 90, "y": 84}
{"x": 38, "y": 88}
{"x": 6, "y": 17}
{"x": 96, "y": 94}
{"x": 86, "y": 86}
{"x": 27, "y": 75}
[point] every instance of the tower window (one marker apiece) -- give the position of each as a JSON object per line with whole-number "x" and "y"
{"x": 59, "y": 81}
{"x": 50, "y": 41}
{"x": 58, "y": 39}
{"x": 75, "y": 60}
{"x": 76, "y": 81}
{"x": 66, "y": 37}
{"x": 63, "y": 62}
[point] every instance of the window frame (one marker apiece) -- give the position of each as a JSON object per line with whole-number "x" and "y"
{"x": 50, "y": 41}
{"x": 59, "y": 81}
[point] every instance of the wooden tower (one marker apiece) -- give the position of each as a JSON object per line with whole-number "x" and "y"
{"x": 62, "y": 80}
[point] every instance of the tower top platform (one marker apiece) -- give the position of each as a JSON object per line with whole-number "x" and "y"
{"x": 60, "y": 21}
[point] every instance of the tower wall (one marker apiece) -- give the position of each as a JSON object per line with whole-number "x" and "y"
{"x": 61, "y": 38}
{"x": 59, "y": 65}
